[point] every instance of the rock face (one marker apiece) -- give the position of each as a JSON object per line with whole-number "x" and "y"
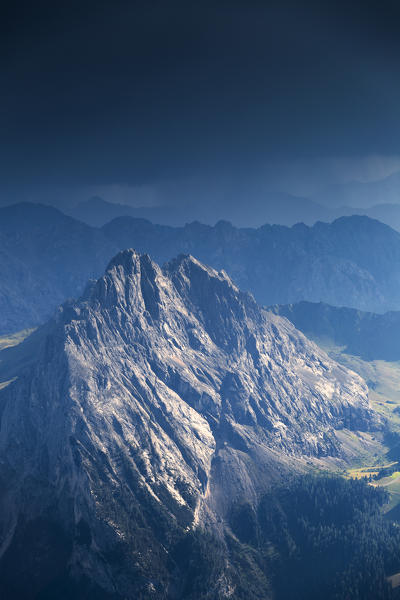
{"x": 152, "y": 404}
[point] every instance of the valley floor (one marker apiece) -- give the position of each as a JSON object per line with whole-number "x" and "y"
{"x": 381, "y": 468}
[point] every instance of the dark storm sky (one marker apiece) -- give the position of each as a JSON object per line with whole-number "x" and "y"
{"x": 138, "y": 92}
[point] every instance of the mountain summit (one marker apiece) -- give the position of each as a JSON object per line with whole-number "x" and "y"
{"x": 153, "y": 404}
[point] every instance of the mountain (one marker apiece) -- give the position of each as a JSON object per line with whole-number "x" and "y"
{"x": 45, "y": 258}
{"x": 368, "y": 335}
{"x": 97, "y": 212}
{"x": 141, "y": 416}
{"x": 386, "y": 213}
{"x": 280, "y": 209}
{"x": 329, "y": 262}
{"x": 275, "y": 207}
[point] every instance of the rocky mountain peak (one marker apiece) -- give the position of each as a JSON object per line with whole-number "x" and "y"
{"x": 154, "y": 402}
{"x": 134, "y": 285}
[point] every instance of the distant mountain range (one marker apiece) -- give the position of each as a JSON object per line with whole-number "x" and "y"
{"x": 46, "y": 257}
{"x": 275, "y": 208}
{"x": 386, "y": 213}
{"x": 97, "y": 212}
{"x": 281, "y": 209}
{"x": 367, "y": 335}
{"x": 354, "y": 261}
{"x": 148, "y": 411}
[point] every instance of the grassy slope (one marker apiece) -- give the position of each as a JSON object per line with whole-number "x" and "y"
{"x": 10, "y": 360}
{"x": 383, "y": 380}
{"x": 13, "y": 339}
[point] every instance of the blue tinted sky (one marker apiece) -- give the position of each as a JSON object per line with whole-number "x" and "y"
{"x": 110, "y": 95}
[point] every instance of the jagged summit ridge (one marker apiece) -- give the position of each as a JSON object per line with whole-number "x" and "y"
{"x": 133, "y": 284}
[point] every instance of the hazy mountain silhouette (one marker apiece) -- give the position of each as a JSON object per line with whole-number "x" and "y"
{"x": 368, "y": 335}
{"x": 46, "y": 257}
